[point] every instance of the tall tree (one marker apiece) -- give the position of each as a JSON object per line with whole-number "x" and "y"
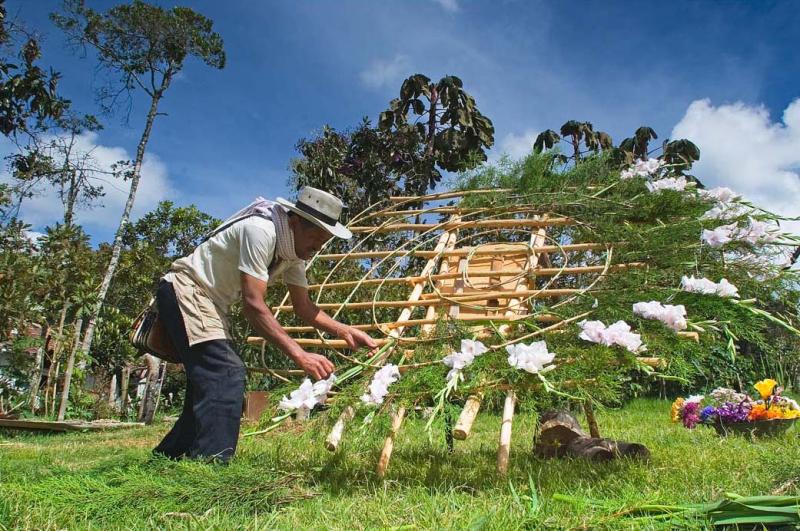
{"x": 60, "y": 160}
{"x": 438, "y": 127}
{"x": 144, "y": 46}
{"x": 28, "y": 96}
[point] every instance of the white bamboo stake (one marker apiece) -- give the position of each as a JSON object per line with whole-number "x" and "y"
{"x": 335, "y": 436}
{"x": 504, "y": 450}
{"x": 388, "y": 444}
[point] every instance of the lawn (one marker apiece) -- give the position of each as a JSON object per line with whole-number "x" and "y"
{"x": 287, "y": 480}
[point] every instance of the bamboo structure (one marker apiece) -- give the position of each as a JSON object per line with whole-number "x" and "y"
{"x": 491, "y": 269}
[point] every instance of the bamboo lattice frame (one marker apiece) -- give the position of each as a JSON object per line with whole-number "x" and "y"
{"x": 467, "y": 276}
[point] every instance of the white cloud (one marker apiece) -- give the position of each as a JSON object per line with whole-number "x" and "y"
{"x": 448, "y": 5}
{"x": 742, "y": 148}
{"x": 515, "y": 145}
{"x": 45, "y": 208}
{"x": 383, "y": 73}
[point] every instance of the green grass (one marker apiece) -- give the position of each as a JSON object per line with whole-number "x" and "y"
{"x": 287, "y": 480}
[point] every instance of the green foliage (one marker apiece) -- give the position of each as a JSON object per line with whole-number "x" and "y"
{"x": 28, "y": 94}
{"x": 448, "y": 131}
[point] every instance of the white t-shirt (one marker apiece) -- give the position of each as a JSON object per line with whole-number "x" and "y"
{"x": 247, "y": 246}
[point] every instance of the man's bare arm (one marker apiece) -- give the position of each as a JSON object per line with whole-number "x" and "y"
{"x": 263, "y": 321}
{"x": 310, "y": 313}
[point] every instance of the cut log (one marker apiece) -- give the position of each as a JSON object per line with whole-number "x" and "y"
{"x": 467, "y": 417}
{"x": 562, "y": 436}
{"x": 557, "y": 430}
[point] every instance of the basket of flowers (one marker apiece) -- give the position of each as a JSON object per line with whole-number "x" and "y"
{"x": 729, "y": 411}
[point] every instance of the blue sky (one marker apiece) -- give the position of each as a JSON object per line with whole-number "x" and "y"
{"x": 700, "y": 68}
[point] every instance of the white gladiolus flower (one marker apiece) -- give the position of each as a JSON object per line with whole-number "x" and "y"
{"x": 674, "y": 316}
{"x": 707, "y": 287}
{"x": 379, "y": 386}
{"x": 642, "y": 168}
{"x": 757, "y": 232}
{"x": 457, "y": 361}
{"x": 726, "y": 289}
{"x": 725, "y": 211}
{"x": 698, "y": 285}
{"x": 668, "y": 183}
{"x": 719, "y": 236}
{"x": 592, "y": 331}
{"x": 307, "y": 395}
{"x": 695, "y": 398}
{"x": 531, "y": 358}
{"x": 721, "y": 194}
{"x": 618, "y": 333}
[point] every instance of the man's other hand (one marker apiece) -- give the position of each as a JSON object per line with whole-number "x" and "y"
{"x": 356, "y": 339}
{"x": 317, "y": 366}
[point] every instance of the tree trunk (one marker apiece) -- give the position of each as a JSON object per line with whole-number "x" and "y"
{"x": 148, "y": 409}
{"x": 112, "y": 392}
{"x": 36, "y": 373}
{"x": 123, "y": 394}
{"x": 62, "y": 409}
{"x": 126, "y": 214}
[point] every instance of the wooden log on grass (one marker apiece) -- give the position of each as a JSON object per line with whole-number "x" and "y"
{"x": 467, "y": 417}
{"x": 561, "y": 435}
{"x": 388, "y": 444}
{"x": 335, "y": 436}
{"x": 504, "y": 449}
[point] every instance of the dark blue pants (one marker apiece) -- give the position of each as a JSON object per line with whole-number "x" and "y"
{"x": 215, "y": 380}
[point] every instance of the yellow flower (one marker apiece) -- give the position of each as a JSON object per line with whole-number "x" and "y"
{"x": 675, "y": 412}
{"x": 791, "y": 413}
{"x": 765, "y": 387}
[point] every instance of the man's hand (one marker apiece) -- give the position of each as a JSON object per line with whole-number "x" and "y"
{"x": 356, "y": 339}
{"x": 317, "y": 366}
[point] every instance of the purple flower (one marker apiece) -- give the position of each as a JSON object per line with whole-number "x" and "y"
{"x": 690, "y": 414}
{"x": 730, "y": 412}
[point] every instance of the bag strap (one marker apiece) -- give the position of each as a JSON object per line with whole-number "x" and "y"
{"x": 230, "y": 223}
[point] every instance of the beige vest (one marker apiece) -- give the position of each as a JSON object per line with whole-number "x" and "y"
{"x": 203, "y": 319}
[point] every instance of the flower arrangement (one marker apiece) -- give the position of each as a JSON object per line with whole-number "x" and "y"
{"x": 727, "y": 407}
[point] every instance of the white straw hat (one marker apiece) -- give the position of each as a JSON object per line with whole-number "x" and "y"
{"x": 320, "y": 208}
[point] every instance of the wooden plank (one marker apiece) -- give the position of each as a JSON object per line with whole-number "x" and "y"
{"x": 449, "y": 210}
{"x": 446, "y": 195}
{"x": 460, "y": 299}
{"x": 514, "y": 305}
{"x": 543, "y": 318}
{"x": 65, "y": 425}
{"x": 478, "y": 224}
{"x": 464, "y": 251}
{"x": 540, "y": 272}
